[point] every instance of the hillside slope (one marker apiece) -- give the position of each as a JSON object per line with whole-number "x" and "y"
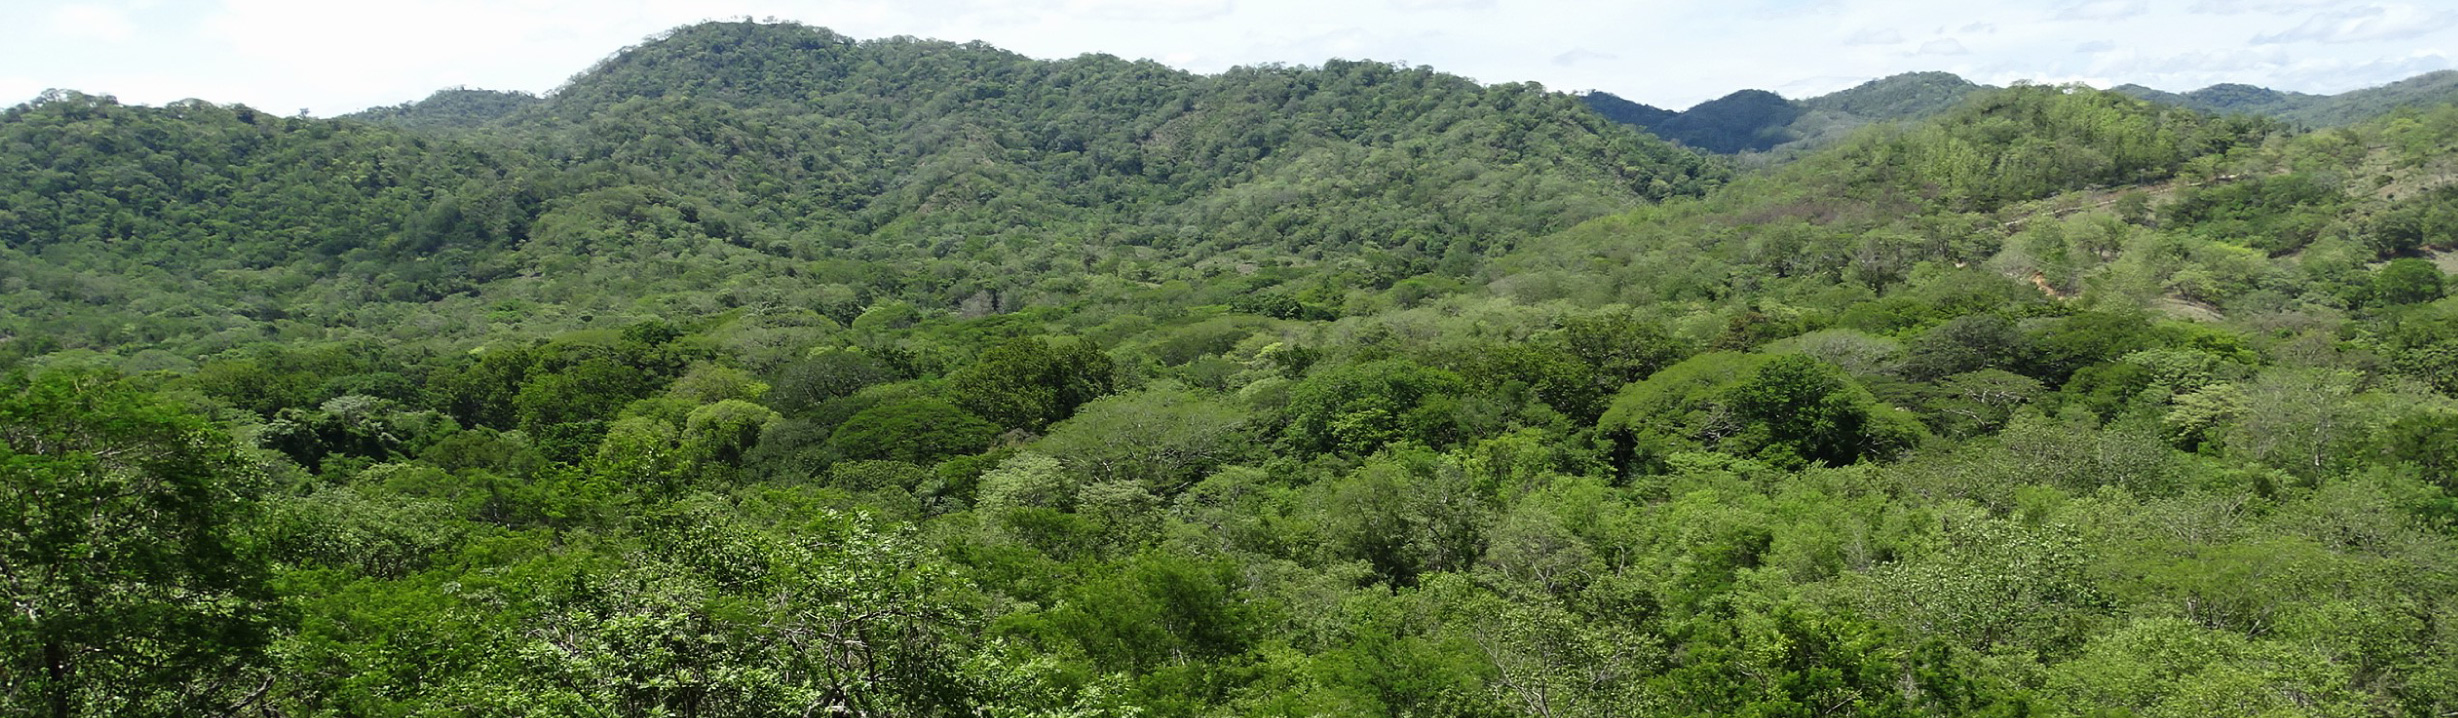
{"x": 458, "y": 108}
{"x": 1757, "y": 121}
{"x": 1761, "y": 121}
{"x": 2422, "y": 91}
{"x": 949, "y": 176}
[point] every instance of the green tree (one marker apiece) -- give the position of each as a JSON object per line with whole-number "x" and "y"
{"x": 1964, "y": 344}
{"x": 135, "y": 587}
{"x": 1796, "y": 408}
{"x": 2406, "y": 281}
{"x": 1358, "y": 408}
{"x": 1158, "y": 609}
{"x": 720, "y": 434}
{"x": 1165, "y": 439}
{"x": 920, "y": 431}
{"x": 1030, "y": 383}
{"x": 1406, "y": 514}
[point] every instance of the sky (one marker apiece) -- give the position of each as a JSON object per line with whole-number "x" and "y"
{"x": 332, "y": 57}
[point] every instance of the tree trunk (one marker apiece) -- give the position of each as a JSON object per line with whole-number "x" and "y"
{"x": 55, "y": 664}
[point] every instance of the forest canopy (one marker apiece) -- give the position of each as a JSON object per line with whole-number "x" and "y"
{"x": 763, "y": 371}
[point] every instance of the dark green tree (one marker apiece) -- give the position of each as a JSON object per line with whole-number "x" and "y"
{"x": 921, "y": 431}
{"x": 135, "y": 587}
{"x": 1358, "y": 408}
{"x": 1030, "y": 383}
{"x": 1796, "y": 408}
{"x": 2406, "y": 281}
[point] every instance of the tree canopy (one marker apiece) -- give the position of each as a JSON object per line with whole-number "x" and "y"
{"x": 764, "y": 371}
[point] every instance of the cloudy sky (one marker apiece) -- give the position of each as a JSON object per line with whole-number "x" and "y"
{"x": 336, "y": 56}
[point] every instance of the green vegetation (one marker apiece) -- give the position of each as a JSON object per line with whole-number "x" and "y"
{"x": 764, "y": 372}
{"x": 1757, "y": 121}
{"x": 2346, "y": 108}
{"x": 458, "y": 108}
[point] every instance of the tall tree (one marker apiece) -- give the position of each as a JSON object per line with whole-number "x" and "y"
{"x": 132, "y": 586}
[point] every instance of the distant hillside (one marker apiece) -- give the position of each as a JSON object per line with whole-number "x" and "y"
{"x": 1627, "y": 112}
{"x": 2345, "y": 108}
{"x": 1909, "y": 96}
{"x": 452, "y": 108}
{"x": 1745, "y": 121}
{"x": 1760, "y": 121}
{"x": 943, "y": 175}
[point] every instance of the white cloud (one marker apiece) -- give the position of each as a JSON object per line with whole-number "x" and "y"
{"x": 92, "y": 22}
{"x": 1943, "y": 46}
{"x": 2365, "y": 24}
{"x": 16, "y": 90}
{"x": 2103, "y": 9}
{"x": 2341, "y": 77}
{"x": 1815, "y": 86}
{"x": 2274, "y": 7}
{"x": 1424, "y": 5}
{"x": 2268, "y": 66}
{"x": 341, "y": 55}
{"x": 1151, "y": 10}
{"x": 1582, "y": 55}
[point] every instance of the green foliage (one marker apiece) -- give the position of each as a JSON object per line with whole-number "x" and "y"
{"x": 2406, "y": 281}
{"x": 1911, "y": 95}
{"x": 1996, "y": 585}
{"x": 2031, "y": 142}
{"x": 1745, "y": 121}
{"x": 921, "y": 431}
{"x": 2425, "y": 90}
{"x": 2275, "y": 214}
{"x": 1155, "y": 610}
{"x": 2422, "y": 221}
{"x": 135, "y": 582}
{"x": 1164, "y": 438}
{"x": 1357, "y": 408}
{"x": 761, "y": 371}
{"x": 1964, "y": 344}
{"x": 458, "y": 108}
{"x": 1030, "y": 383}
{"x": 1758, "y": 121}
{"x": 1404, "y": 514}
{"x": 1784, "y": 409}
{"x": 1794, "y": 408}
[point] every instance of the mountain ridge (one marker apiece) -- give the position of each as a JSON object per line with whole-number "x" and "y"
{"x": 2431, "y": 88}
{"x": 1746, "y": 121}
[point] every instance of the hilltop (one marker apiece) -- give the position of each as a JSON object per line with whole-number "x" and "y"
{"x": 1760, "y": 121}
{"x": 2422, "y": 91}
{"x": 941, "y": 174}
{"x": 457, "y": 108}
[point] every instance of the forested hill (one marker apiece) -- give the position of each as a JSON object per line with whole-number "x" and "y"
{"x": 457, "y": 108}
{"x": 1758, "y": 121}
{"x": 2426, "y": 90}
{"x": 819, "y": 172}
{"x": 763, "y": 372}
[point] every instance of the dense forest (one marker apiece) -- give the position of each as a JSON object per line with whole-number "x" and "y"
{"x": 761, "y": 371}
{"x": 2421, "y": 91}
{"x": 1757, "y": 121}
{"x": 1762, "y": 121}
